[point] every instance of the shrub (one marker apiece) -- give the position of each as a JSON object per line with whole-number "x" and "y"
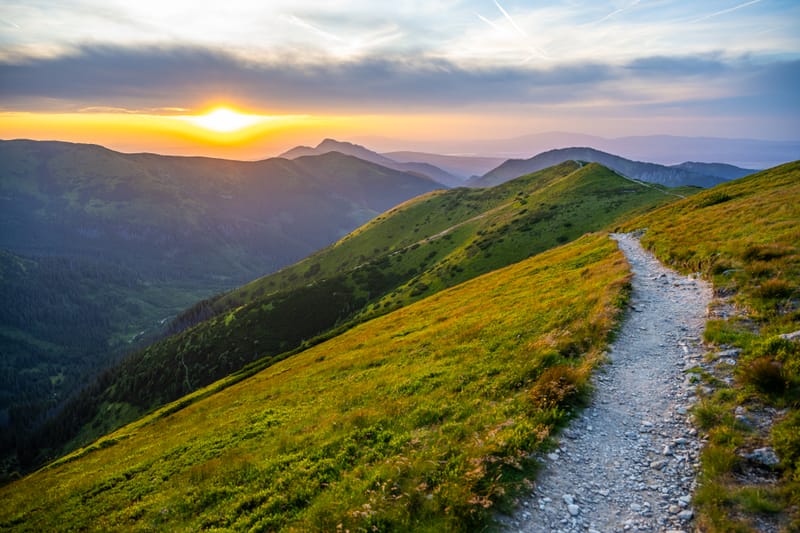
{"x": 773, "y": 289}
{"x": 708, "y": 413}
{"x": 766, "y": 375}
{"x": 557, "y": 386}
{"x": 714, "y": 198}
{"x": 766, "y": 252}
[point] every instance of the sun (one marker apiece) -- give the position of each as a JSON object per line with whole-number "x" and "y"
{"x": 224, "y": 120}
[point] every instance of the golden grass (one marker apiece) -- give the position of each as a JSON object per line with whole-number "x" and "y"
{"x": 419, "y": 420}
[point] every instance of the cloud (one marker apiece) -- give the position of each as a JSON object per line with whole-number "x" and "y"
{"x": 665, "y": 66}
{"x": 193, "y": 77}
{"x": 725, "y": 11}
{"x": 189, "y": 76}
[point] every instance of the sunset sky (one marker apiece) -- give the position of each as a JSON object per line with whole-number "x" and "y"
{"x": 134, "y": 75}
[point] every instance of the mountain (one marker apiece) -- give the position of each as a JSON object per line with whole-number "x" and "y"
{"x": 662, "y": 149}
{"x": 426, "y": 418}
{"x": 414, "y": 250}
{"x": 414, "y": 167}
{"x": 719, "y": 170}
{"x": 102, "y": 249}
{"x": 461, "y": 166}
{"x": 647, "y": 172}
{"x": 219, "y": 218}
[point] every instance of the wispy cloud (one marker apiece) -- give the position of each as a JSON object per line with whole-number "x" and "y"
{"x": 617, "y": 12}
{"x": 522, "y": 41}
{"x": 297, "y": 21}
{"x": 725, "y": 11}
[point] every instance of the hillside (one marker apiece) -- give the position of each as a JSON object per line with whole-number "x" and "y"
{"x": 201, "y": 217}
{"x": 419, "y": 168}
{"x": 421, "y": 420}
{"x": 649, "y": 172}
{"x": 743, "y": 236}
{"x": 103, "y": 249}
{"x": 413, "y": 251}
{"x": 424, "y": 418}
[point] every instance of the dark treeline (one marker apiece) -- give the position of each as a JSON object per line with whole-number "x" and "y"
{"x": 63, "y": 321}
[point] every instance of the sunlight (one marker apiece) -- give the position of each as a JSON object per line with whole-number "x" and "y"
{"x": 224, "y": 120}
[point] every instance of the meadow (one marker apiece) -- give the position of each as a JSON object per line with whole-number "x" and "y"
{"x": 424, "y": 419}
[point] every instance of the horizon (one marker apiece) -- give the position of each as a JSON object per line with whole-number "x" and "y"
{"x": 251, "y": 81}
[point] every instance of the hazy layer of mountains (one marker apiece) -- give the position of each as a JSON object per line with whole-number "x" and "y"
{"x": 232, "y": 219}
{"x": 486, "y": 172}
{"x": 415, "y": 167}
{"x": 689, "y": 173}
{"x": 662, "y": 149}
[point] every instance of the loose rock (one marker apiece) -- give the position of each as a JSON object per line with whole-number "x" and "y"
{"x": 636, "y": 470}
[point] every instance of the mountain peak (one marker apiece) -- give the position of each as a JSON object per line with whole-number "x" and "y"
{"x": 329, "y": 143}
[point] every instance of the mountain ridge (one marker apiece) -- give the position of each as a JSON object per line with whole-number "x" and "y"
{"x": 648, "y": 172}
{"x": 661, "y": 149}
{"x": 414, "y": 167}
{"x": 425, "y": 418}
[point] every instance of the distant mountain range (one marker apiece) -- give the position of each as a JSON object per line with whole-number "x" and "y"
{"x": 227, "y": 218}
{"x": 417, "y": 168}
{"x": 696, "y": 174}
{"x": 663, "y": 149}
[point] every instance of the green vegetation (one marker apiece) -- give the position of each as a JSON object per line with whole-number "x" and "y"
{"x": 745, "y": 237}
{"x": 62, "y": 319}
{"x": 100, "y": 250}
{"x": 420, "y": 420}
{"x": 413, "y": 251}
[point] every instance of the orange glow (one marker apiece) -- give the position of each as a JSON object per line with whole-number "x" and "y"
{"x": 259, "y": 135}
{"x": 226, "y": 120}
{"x": 256, "y": 137}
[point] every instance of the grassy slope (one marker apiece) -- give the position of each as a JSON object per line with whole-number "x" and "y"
{"x": 413, "y": 251}
{"x": 418, "y": 420}
{"x": 745, "y": 237}
{"x": 542, "y": 210}
{"x": 119, "y": 244}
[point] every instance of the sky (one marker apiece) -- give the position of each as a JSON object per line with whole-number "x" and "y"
{"x": 131, "y": 75}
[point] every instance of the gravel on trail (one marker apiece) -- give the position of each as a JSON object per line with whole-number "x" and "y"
{"x": 628, "y": 462}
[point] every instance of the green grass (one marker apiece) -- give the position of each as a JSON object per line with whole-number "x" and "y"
{"x": 421, "y": 420}
{"x": 413, "y": 251}
{"x": 744, "y": 236}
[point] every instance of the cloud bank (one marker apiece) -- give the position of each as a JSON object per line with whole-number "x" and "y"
{"x": 181, "y": 76}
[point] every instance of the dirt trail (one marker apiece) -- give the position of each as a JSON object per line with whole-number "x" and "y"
{"x": 628, "y": 462}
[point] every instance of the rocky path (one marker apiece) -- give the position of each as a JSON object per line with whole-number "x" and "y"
{"x": 628, "y": 462}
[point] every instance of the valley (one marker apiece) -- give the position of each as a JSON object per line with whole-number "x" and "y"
{"x": 411, "y": 252}
{"x": 103, "y": 250}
